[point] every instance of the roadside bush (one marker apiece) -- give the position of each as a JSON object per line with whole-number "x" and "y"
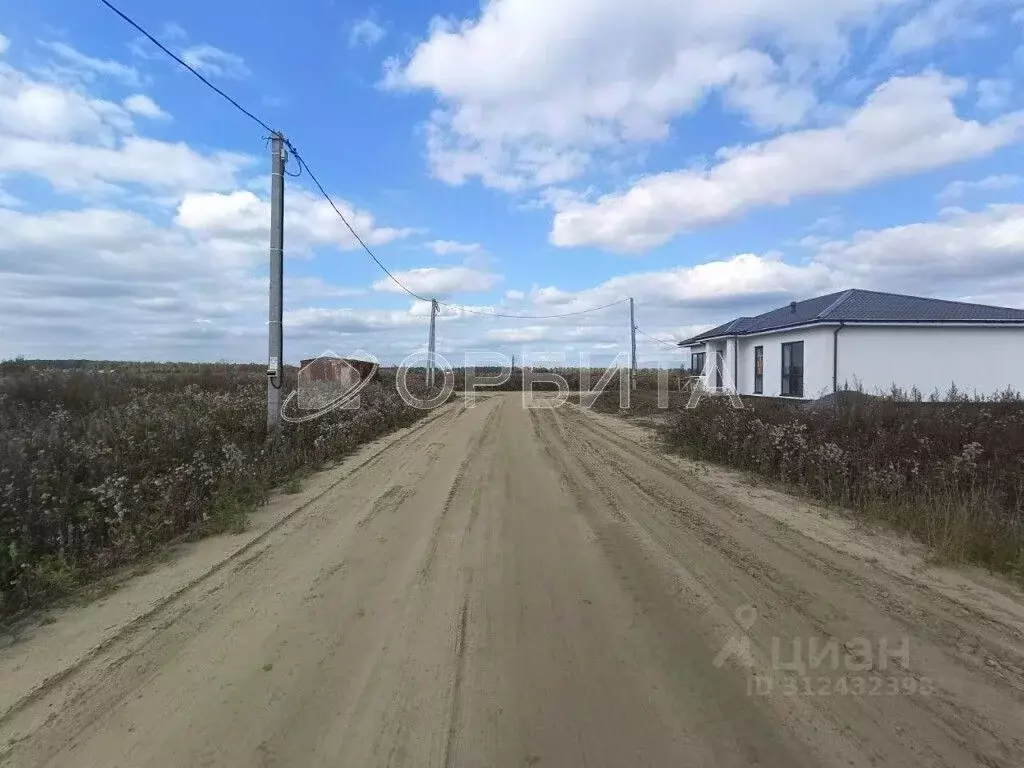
{"x": 951, "y": 474}
{"x": 101, "y": 466}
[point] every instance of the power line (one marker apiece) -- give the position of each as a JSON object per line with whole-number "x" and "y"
{"x": 309, "y": 171}
{"x": 531, "y": 317}
{"x": 304, "y": 166}
{"x": 660, "y": 341}
{"x": 302, "y": 163}
{"x": 191, "y": 69}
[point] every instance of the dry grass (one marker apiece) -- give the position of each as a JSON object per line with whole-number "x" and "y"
{"x": 951, "y": 474}
{"x": 102, "y": 464}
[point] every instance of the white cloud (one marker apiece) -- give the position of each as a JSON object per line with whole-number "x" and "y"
{"x": 958, "y": 189}
{"x": 366, "y": 32}
{"x": 5, "y": 44}
{"x": 311, "y": 221}
{"x": 514, "y": 295}
{"x": 213, "y": 61}
{"x": 747, "y": 277}
{"x": 908, "y": 125}
{"x": 140, "y": 104}
{"x": 939, "y": 22}
{"x": 440, "y": 281}
{"x": 448, "y": 247}
{"x": 964, "y": 252}
{"x": 184, "y": 281}
{"x": 529, "y": 91}
{"x": 88, "y": 68}
{"x": 154, "y": 164}
{"x": 966, "y": 256}
{"x": 77, "y": 142}
{"x": 42, "y": 110}
{"x": 521, "y": 334}
{"x": 960, "y": 255}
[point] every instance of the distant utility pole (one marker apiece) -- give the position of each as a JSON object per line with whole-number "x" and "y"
{"x": 632, "y": 339}
{"x": 432, "y": 343}
{"x": 275, "y": 365}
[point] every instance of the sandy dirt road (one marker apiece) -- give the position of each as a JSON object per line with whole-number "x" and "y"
{"x": 512, "y": 587}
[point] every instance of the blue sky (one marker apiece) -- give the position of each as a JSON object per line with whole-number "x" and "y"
{"x": 531, "y": 157}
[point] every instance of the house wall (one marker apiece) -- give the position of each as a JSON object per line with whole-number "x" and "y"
{"x": 817, "y": 361}
{"x": 982, "y": 360}
{"x": 979, "y": 360}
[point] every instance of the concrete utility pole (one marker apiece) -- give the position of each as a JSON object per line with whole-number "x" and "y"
{"x": 431, "y": 343}
{"x": 275, "y": 365}
{"x": 632, "y": 339}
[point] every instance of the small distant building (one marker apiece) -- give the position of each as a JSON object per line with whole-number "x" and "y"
{"x": 329, "y": 368}
{"x": 865, "y": 339}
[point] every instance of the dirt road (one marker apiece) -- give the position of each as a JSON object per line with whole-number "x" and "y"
{"x": 511, "y": 587}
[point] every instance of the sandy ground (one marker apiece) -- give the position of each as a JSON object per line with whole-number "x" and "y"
{"x": 512, "y": 587}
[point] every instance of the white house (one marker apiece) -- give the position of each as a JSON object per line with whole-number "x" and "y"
{"x": 865, "y": 339}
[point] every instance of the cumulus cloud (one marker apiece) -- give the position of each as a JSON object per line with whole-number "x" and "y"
{"x": 962, "y": 256}
{"x": 311, "y": 220}
{"x": 184, "y": 281}
{"x": 907, "y": 125}
{"x": 440, "y": 282}
{"x": 529, "y": 91}
{"x": 29, "y": 107}
{"x": 79, "y": 142}
{"x": 142, "y": 105}
{"x": 448, "y": 247}
{"x": 965, "y": 252}
{"x": 159, "y": 165}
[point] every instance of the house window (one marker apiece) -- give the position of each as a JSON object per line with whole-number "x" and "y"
{"x": 697, "y": 362}
{"x": 758, "y": 370}
{"x": 793, "y": 369}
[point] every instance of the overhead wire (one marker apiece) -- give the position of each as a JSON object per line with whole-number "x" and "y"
{"x": 531, "y": 317}
{"x": 186, "y": 65}
{"x": 672, "y": 344}
{"x": 304, "y": 166}
{"x": 309, "y": 171}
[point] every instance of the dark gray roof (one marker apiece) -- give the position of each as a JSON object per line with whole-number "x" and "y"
{"x": 859, "y": 306}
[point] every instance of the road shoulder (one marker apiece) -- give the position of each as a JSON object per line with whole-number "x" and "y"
{"x": 40, "y": 653}
{"x": 991, "y": 595}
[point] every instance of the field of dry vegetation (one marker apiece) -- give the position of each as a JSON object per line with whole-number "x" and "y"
{"x": 101, "y": 465}
{"x": 949, "y": 473}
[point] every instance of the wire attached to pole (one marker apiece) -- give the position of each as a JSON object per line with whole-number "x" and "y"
{"x": 304, "y": 166}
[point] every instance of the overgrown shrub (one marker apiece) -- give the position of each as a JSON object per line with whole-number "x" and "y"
{"x": 99, "y": 466}
{"x": 951, "y": 474}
